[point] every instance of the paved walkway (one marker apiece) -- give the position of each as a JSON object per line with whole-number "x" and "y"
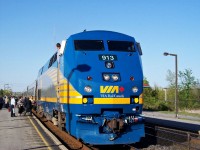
{"x": 23, "y": 133}
{"x": 171, "y": 116}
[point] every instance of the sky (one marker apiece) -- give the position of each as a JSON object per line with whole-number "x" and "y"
{"x": 30, "y": 29}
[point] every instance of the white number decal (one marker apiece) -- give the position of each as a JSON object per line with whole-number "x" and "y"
{"x": 103, "y": 57}
{"x": 112, "y": 58}
{"x": 107, "y": 57}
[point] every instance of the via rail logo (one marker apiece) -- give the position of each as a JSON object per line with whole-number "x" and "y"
{"x": 111, "y": 91}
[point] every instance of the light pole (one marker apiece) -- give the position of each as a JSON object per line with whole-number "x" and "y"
{"x": 176, "y": 81}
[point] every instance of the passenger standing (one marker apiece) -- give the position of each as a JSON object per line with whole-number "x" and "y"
{"x": 28, "y": 106}
{"x": 20, "y": 106}
{"x": 12, "y": 109}
{"x": 1, "y": 102}
{"x": 25, "y": 105}
{"x": 6, "y": 102}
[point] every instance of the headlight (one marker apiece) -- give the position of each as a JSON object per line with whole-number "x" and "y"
{"x": 109, "y": 65}
{"x": 85, "y": 100}
{"x": 115, "y": 77}
{"x": 106, "y": 77}
{"x": 88, "y": 89}
{"x": 135, "y": 89}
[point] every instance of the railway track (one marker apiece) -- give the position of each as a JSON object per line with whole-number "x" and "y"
{"x": 69, "y": 141}
{"x": 72, "y": 143}
{"x": 156, "y": 138}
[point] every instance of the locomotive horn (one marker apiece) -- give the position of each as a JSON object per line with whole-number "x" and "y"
{"x": 58, "y": 46}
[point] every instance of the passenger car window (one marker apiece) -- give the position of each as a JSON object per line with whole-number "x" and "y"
{"x": 52, "y": 60}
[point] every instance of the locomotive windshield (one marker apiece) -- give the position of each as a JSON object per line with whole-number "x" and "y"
{"x": 121, "y": 46}
{"x": 88, "y": 45}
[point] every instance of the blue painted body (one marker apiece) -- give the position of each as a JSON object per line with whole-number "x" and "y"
{"x": 91, "y": 121}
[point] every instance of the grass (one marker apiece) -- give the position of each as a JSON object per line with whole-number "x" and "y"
{"x": 190, "y": 114}
{"x": 182, "y": 113}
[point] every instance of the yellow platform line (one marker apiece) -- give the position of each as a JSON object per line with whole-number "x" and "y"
{"x": 40, "y": 134}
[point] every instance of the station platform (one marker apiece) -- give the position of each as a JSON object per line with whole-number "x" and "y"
{"x": 169, "y": 120}
{"x": 25, "y": 133}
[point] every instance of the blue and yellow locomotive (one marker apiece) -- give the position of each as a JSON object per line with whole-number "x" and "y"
{"x": 95, "y": 89}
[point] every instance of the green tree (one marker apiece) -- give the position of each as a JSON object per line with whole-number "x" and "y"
{"x": 154, "y": 98}
{"x": 170, "y": 78}
{"x": 1, "y": 93}
{"x": 5, "y": 92}
{"x": 188, "y": 87}
{"x": 145, "y": 81}
{"x": 171, "y": 87}
{"x": 187, "y": 82}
